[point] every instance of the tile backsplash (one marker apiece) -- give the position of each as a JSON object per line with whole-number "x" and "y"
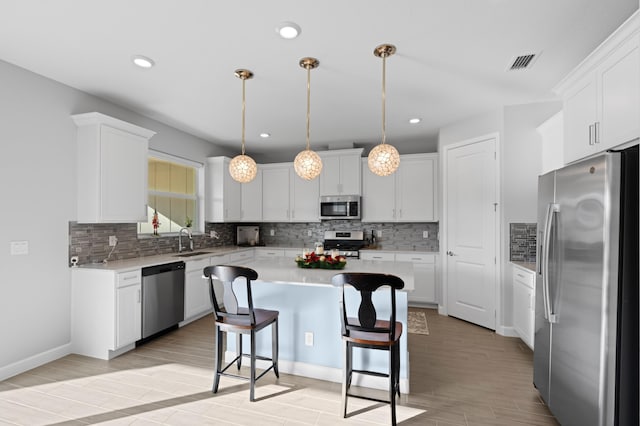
{"x": 395, "y": 236}
{"x": 90, "y": 242}
{"x": 522, "y": 242}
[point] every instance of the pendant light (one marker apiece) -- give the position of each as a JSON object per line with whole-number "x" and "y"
{"x": 308, "y": 163}
{"x": 243, "y": 168}
{"x": 384, "y": 159}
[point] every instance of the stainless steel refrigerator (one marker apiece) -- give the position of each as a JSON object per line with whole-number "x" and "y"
{"x": 586, "y": 328}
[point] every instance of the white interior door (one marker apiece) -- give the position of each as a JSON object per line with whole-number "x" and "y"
{"x": 470, "y": 209}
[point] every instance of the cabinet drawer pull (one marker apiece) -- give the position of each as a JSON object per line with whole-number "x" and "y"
{"x": 596, "y": 132}
{"x": 591, "y": 134}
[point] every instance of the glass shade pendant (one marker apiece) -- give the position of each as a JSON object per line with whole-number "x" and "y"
{"x": 384, "y": 159}
{"x": 243, "y": 168}
{"x": 308, "y": 163}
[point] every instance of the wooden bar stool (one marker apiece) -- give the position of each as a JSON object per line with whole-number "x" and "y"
{"x": 240, "y": 320}
{"x": 369, "y": 332}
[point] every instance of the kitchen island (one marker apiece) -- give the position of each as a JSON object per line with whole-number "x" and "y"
{"x": 308, "y": 303}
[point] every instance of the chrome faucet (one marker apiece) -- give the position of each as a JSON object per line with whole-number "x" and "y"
{"x": 180, "y": 247}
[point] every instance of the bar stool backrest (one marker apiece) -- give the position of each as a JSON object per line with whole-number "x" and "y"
{"x": 227, "y": 274}
{"x": 366, "y": 283}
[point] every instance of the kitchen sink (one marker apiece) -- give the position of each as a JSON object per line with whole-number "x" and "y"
{"x": 192, "y": 253}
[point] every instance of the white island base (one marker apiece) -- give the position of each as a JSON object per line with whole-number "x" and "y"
{"x": 308, "y": 303}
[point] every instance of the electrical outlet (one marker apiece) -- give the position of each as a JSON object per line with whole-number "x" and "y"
{"x": 308, "y": 338}
{"x": 113, "y": 240}
{"x": 78, "y": 249}
{"x": 379, "y": 233}
{"x": 272, "y": 232}
{"x": 425, "y": 234}
{"x": 309, "y": 233}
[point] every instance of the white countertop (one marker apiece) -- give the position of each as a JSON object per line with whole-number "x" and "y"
{"x": 282, "y": 270}
{"x": 529, "y": 266}
{"x": 272, "y": 269}
{"x": 144, "y": 261}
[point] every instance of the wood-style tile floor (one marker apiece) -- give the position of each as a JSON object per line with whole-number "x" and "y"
{"x": 461, "y": 374}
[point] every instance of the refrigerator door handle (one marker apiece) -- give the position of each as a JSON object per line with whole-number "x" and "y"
{"x": 551, "y": 209}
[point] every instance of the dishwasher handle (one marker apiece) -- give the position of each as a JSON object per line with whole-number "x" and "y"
{"x": 159, "y": 269}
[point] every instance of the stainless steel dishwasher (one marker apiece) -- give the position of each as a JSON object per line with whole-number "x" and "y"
{"x": 162, "y": 298}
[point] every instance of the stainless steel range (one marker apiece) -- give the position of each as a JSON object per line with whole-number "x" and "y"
{"x": 348, "y": 243}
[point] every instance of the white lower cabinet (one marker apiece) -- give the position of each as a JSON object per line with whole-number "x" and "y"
{"x": 129, "y": 315}
{"x": 524, "y": 304}
{"x": 197, "y": 301}
{"x": 377, "y": 255}
{"x": 424, "y": 272}
{"x": 424, "y": 276}
{"x": 106, "y": 312}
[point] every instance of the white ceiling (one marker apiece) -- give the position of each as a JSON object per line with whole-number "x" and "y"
{"x": 450, "y": 64}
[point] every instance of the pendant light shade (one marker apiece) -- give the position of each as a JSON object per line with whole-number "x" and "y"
{"x": 308, "y": 163}
{"x": 243, "y": 168}
{"x": 384, "y": 159}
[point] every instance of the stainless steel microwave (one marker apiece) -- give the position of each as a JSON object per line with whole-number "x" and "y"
{"x": 340, "y": 207}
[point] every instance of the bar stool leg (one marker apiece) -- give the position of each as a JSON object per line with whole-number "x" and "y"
{"x": 219, "y": 354}
{"x": 253, "y": 366}
{"x": 274, "y": 347}
{"x": 346, "y": 375}
{"x": 239, "y": 349}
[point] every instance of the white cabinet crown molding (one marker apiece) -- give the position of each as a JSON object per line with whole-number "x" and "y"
{"x": 94, "y": 118}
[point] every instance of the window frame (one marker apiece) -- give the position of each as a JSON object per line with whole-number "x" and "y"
{"x": 198, "y": 226}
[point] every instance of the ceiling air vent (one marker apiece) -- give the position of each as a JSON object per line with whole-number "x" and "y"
{"x": 523, "y": 62}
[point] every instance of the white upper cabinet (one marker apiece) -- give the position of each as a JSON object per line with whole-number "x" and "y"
{"x": 408, "y": 195}
{"x": 222, "y": 192}
{"x": 341, "y": 172}
{"x": 112, "y": 169}
{"x": 251, "y": 203}
{"x": 416, "y": 188}
{"x": 275, "y": 192}
{"x": 304, "y": 198}
{"x": 286, "y": 197}
{"x": 602, "y": 95}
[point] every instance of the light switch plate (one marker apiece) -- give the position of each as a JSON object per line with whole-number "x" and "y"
{"x": 19, "y": 248}
{"x": 272, "y": 232}
{"x": 113, "y": 240}
{"x": 308, "y": 338}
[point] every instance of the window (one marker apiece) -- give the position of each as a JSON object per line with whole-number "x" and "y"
{"x": 173, "y": 195}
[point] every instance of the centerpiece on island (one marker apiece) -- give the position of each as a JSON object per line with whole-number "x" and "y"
{"x": 322, "y": 261}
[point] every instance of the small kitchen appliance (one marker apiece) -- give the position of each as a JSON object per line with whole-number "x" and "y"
{"x": 347, "y": 243}
{"x": 247, "y": 235}
{"x": 340, "y": 207}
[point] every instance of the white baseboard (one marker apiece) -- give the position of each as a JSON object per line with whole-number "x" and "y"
{"x": 34, "y": 361}
{"x": 507, "y": 331}
{"x": 442, "y": 310}
{"x": 324, "y": 373}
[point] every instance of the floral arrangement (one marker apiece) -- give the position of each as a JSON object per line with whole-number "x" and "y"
{"x": 322, "y": 261}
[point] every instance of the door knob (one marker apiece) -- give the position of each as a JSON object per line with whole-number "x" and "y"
{"x": 450, "y": 253}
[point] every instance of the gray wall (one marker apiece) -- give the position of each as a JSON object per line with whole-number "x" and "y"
{"x": 520, "y": 152}
{"x": 37, "y": 171}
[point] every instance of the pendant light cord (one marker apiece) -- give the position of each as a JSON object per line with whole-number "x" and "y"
{"x": 243, "y": 111}
{"x": 384, "y": 97}
{"x": 308, "y": 104}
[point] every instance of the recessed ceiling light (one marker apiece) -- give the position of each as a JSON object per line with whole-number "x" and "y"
{"x": 415, "y": 120}
{"x": 265, "y": 135}
{"x": 288, "y": 30}
{"x": 143, "y": 61}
